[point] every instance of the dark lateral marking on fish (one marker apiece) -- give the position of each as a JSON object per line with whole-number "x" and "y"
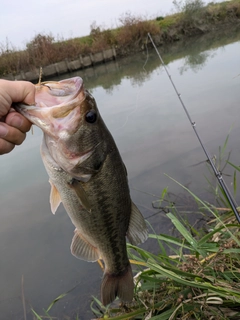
{"x": 113, "y": 224}
{"x": 108, "y": 225}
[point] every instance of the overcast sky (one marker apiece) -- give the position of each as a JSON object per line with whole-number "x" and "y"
{"x": 21, "y": 20}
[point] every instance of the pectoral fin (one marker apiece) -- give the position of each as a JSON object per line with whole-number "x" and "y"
{"x": 82, "y": 249}
{"x": 55, "y": 198}
{"x": 77, "y": 187}
{"x": 137, "y": 230}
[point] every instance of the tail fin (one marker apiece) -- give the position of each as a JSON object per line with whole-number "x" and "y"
{"x": 120, "y": 285}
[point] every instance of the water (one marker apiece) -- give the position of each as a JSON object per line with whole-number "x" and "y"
{"x": 156, "y": 141}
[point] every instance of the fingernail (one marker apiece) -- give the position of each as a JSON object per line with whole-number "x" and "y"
{"x": 3, "y": 131}
{"x": 16, "y": 121}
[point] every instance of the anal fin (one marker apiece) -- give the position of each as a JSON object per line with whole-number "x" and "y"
{"x": 82, "y": 249}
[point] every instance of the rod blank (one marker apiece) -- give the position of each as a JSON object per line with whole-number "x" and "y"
{"x": 218, "y": 174}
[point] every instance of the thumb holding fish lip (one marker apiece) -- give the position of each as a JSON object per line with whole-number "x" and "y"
{"x": 15, "y": 91}
{"x": 13, "y": 126}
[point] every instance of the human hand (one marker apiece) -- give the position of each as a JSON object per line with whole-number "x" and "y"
{"x": 13, "y": 126}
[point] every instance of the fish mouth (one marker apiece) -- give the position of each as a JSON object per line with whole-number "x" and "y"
{"x": 52, "y": 93}
{"x": 54, "y": 100}
{"x": 55, "y": 94}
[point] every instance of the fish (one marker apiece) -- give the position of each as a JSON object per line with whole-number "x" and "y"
{"x": 87, "y": 174}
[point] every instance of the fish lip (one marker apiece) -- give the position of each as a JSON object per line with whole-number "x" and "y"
{"x": 78, "y": 82}
{"x": 67, "y": 94}
{"x": 68, "y": 98}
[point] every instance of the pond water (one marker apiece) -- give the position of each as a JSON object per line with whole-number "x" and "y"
{"x": 156, "y": 141}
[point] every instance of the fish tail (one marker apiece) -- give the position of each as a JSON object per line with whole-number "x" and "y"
{"x": 120, "y": 285}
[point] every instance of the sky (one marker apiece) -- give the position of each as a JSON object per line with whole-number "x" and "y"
{"x": 22, "y": 20}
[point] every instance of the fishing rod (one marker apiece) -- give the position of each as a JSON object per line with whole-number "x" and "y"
{"x": 217, "y": 173}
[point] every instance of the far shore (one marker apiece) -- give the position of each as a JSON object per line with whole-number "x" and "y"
{"x": 101, "y": 46}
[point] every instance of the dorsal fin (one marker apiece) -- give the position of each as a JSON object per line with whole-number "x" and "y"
{"x": 137, "y": 230}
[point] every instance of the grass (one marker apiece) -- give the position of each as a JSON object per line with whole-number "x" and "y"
{"x": 168, "y": 22}
{"x": 200, "y": 280}
{"x": 195, "y": 274}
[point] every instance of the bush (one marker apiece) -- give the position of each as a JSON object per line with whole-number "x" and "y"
{"x": 41, "y": 50}
{"x": 134, "y": 29}
{"x": 130, "y": 36}
{"x": 188, "y": 6}
{"x": 101, "y": 38}
{"x": 191, "y": 9}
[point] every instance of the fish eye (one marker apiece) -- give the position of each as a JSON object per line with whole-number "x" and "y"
{"x": 91, "y": 116}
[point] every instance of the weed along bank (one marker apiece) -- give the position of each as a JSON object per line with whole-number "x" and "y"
{"x": 66, "y": 66}
{"x": 192, "y": 18}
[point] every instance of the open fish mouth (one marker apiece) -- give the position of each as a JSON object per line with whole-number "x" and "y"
{"x": 51, "y": 94}
{"x": 55, "y": 101}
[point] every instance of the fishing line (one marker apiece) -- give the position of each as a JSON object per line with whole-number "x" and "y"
{"x": 145, "y": 63}
{"x": 137, "y": 97}
{"x": 130, "y": 113}
{"x": 217, "y": 173}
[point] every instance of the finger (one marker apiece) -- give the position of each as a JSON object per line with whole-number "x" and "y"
{"x": 18, "y": 121}
{"x": 5, "y": 146}
{"x": 23, "y": 91}
{"x": 11, "y": 134}
{"x": 15, "y": 91}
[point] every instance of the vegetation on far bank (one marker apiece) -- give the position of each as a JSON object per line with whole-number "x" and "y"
{"x": 192, "y": 18}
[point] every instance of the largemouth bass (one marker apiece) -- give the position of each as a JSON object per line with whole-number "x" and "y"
{"x": 88, "y": 176}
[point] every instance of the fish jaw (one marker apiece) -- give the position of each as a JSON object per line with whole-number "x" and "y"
{"x": 58, "y": 111}
{"x": 57, "y": 107}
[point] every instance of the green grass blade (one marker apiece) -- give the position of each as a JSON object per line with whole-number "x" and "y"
{"x": 164, "y": 315}
{"x": 209, "y": 209}
{"x": 169, "y": 239}
{"x": 61, "y": 296}
{"x": 186, "y": 234}
{"x": 235, "y": 182}
{"x": 233, "y": 165}
{"x": 36, "y": 315}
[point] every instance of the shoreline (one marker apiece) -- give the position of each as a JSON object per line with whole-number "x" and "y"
{"x": 166, "y": 42}
{"x": 66, "y": 66}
